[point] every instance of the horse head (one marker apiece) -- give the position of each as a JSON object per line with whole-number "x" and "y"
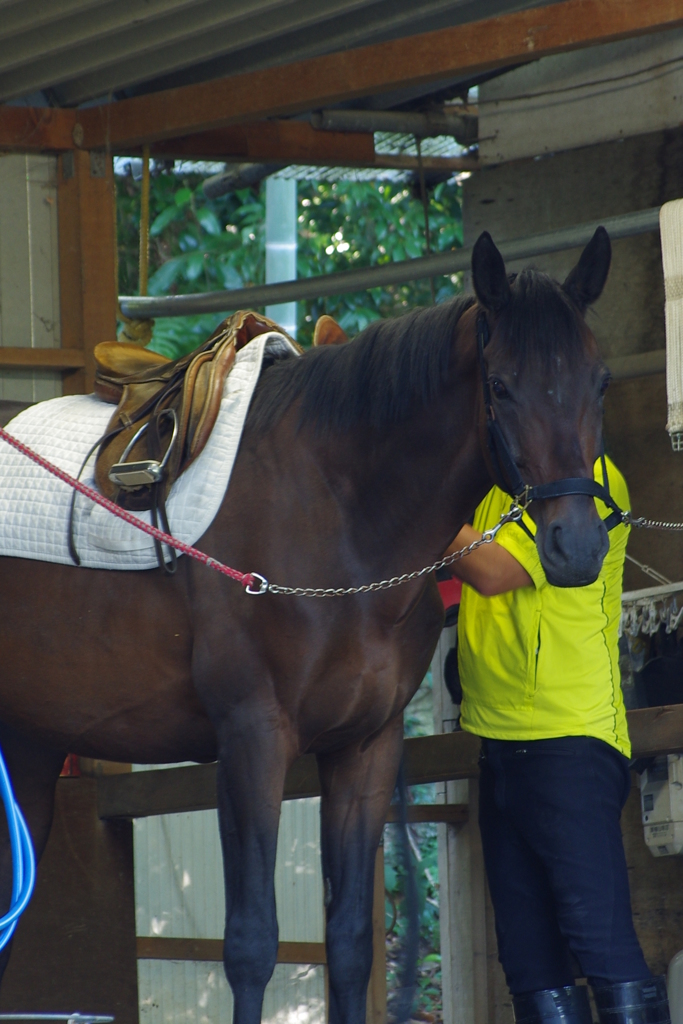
{"x": 546, "y": 382}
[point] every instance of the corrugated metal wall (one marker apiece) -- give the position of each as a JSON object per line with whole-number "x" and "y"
{"x": 197, "y": 993}
{"x": 179, "y": 893}
{"x": 179, "y": 875}
{"x": 29, "y": 270}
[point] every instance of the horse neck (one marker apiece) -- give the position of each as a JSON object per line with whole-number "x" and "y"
{"x": 406, "y": 489}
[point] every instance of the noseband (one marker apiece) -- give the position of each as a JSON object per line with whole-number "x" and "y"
{"x": 506, "y": 471}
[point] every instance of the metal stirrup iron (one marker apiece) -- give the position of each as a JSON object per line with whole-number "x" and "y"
{"x": 130, "y": 475}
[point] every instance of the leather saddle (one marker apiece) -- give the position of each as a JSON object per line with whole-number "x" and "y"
{"x": 165, "y": 410}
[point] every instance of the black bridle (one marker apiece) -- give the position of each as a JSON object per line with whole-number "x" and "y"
{"x": 506, "y": 471}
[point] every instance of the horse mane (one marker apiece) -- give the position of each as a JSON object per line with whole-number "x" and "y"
{"x": 376, "y": 379}
{"x": 393, "y": 365}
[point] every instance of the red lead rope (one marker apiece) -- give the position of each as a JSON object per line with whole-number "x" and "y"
{"x": 247, "y": 579}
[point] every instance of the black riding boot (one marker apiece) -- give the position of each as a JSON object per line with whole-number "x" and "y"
{"x": 633, "y": 1002}
{"x": 567, "y": 1005}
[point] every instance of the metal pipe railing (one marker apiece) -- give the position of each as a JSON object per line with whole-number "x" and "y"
{"x": 462, "y": 126}
{"x": 451, "y": 262}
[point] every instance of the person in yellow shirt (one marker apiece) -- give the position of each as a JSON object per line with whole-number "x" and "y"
{"x": 540, "y": 681}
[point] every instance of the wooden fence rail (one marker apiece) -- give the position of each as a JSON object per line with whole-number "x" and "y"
{"x": 428, "y": 759}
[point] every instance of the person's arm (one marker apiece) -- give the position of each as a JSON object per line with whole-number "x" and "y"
{"x": 490, "y": 569}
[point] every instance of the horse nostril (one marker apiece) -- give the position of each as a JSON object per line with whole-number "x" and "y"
{"x": 556, "y": 540}
{"x": 572, "y": 552}
{"x": 568, "y": 546}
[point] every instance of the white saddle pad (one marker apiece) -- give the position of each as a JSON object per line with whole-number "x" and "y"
{"x": 34, "y": 505}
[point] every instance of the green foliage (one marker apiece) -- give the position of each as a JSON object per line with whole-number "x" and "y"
{"x": 427, "y": 880}
{"x": 199, "y": 244}
{"x": 196, "y": 244}
{"x": 361, "y": 224}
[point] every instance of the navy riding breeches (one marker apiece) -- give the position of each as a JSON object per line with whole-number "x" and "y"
{"x": 549, "y": 816}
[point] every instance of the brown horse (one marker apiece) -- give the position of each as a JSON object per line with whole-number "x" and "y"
{"x": 357, "y": 462}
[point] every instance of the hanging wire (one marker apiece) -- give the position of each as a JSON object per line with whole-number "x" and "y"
{"x": 649, "y": 571}
{"x": 425, "y": 207}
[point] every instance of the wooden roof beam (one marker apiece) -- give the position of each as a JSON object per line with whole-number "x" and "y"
{"x": 289, "y": 89}
{"x": 46, "y": 129}
{"x": 288, "y": 141}
{"x": 294, "y": 142}
{"x": 27, "y": 129}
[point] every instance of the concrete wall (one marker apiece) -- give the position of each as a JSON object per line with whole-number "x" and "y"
{"x": 580, "y": 98}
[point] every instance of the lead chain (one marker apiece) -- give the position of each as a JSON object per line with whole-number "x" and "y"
{"x": 513, "y": 516}
{"x": 649, "y": 524}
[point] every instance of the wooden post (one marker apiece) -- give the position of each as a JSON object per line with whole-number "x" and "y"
{"x": 376, "y": 1012}
{"x": 87, "y": 255}
{"x": 474, "y": 989}
{"x": 75, "y": 944}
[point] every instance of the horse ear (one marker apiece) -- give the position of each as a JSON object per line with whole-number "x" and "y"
{"x": 490, "y": 280}
{"x": 328, "y": 332}
{"x": 585, "y": 282}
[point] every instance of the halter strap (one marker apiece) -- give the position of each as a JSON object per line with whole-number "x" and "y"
{"x": 506, "y": 471}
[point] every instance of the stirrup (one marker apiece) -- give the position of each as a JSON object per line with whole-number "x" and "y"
{"x": 568, "y": 1005}
{"x": 146, "y": 472}
{"x": 633, "y": 1002}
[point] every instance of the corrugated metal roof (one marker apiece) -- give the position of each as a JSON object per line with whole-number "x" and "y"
{"x": 71, "y": 52}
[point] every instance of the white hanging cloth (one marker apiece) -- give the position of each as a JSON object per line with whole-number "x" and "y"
{"x": 671, "y": 230}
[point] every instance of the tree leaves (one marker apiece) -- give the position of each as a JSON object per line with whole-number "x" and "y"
{"x": 209, "y": 221}
{"x": 197, "y": 245}
{"x": 163, "y": 220}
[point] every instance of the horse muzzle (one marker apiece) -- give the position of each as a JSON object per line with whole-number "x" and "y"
{"x": 572, "y": 546}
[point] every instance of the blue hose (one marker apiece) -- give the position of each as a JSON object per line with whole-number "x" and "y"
{"x": 23, "y": 858}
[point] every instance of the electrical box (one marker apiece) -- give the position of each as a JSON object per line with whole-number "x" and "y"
{"x": 661, "y": 801}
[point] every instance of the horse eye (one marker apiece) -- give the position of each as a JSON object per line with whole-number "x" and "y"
{"x": 605, "y": 384}
{"x": 499, "y": 389}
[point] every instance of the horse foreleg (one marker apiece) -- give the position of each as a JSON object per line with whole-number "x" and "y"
{"x": 34, "y": 771}
{"x": 252, "y": 765}
{"x": 357, "y": 785}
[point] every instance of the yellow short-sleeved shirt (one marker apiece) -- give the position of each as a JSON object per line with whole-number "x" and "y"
{"x": 542, "y": 661}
